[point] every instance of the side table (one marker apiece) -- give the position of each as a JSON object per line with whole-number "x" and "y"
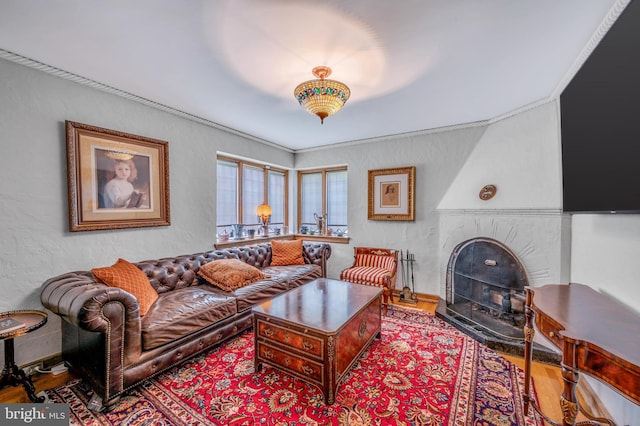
{"x": 11, "y": 374}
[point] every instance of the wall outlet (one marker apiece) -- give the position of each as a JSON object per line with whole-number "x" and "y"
{"x": 30, "y": 370}
{"x": 41, "y": 364}
{"x": 58, "y": 369}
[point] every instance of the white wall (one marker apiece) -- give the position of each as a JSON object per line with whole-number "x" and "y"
{"x": 36, "y": 243}
{"x": 520, "y": 154}
{"x": 605, "y": 255}
{"x": 438, "y": 157}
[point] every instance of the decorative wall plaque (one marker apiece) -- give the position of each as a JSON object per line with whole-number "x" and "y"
{"x": 487, "y": 192}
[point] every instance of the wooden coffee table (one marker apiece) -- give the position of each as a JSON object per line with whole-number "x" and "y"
{"x": 317, "y": 331}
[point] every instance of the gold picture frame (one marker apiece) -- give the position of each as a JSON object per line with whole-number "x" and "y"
{"x": 115, "y": 180}
{"x": 392, "y": 194}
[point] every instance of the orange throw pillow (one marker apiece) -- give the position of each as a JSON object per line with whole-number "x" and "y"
{"x": 131, "y": 279}
{"x": 230, "y": 274}
{"x": 285, "y": 253}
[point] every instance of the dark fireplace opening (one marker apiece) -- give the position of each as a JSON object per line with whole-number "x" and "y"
{"x": 485, "y": 296}
{"x": 485, "y": 284}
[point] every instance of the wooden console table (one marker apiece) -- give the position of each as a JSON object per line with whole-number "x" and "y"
{"x": 596, "y": 334}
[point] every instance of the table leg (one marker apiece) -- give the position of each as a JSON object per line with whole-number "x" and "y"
{"x": 12, "y": 375}
{"x": 528, "y": 342}
{"x": 568, "y": 400}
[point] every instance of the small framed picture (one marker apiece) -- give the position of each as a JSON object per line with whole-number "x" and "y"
{"x": 391, "y": 194}
{"x": 116, "y": 180}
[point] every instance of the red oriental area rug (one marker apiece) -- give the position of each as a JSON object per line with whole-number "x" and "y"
{"x": 421, "y": 372}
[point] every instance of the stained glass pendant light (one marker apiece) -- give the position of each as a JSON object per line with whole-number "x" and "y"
{"x": 322, "y": 97}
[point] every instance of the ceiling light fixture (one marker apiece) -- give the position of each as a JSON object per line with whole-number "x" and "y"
{"x": 322, "y": 97}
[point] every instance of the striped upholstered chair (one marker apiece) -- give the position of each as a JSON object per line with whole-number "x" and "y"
{"x": 374, "y": 266}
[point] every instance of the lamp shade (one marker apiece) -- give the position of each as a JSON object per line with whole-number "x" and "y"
{"x": 264, "y": 212}
{"x": 322, "y": 97}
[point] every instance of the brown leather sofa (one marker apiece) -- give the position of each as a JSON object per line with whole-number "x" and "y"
{"x": 106, "y": 342}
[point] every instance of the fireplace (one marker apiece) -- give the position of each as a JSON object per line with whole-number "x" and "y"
{"x": 485, "y": 284}
{"x": 485, "y": 296}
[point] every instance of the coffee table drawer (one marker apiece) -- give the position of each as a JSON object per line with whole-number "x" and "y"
{"x": 306, "y": 343}
{"x": 290, "y": 362}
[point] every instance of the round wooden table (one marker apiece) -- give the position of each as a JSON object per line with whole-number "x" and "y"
{"x": 11, "y": 374}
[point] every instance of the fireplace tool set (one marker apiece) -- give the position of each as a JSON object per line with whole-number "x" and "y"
{"x": 407, "y": 260}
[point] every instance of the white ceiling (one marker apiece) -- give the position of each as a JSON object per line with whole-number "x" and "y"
{"x": 412, "y": 65}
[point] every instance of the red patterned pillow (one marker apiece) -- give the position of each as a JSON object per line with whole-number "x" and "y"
{"x": 230, "y": 274}
{"x": 285, "y": 253}
{"x": 131, "y": 279}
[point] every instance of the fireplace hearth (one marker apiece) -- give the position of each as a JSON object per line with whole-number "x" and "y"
{"x": 485, "y": 296}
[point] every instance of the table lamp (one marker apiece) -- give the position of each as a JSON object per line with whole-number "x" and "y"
{"x": 264, "y": 215}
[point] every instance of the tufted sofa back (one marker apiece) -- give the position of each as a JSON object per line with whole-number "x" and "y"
{"x": 173, "y": 273}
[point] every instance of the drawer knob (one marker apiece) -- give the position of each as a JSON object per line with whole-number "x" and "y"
{"x": 307, "y": 345}
{"x": 268, "y": 332}
{"x": 268, "y": 354}
{"x": 307, "y": 370}
{"x": 552, "y": 334}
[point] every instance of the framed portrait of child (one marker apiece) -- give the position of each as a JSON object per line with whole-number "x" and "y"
{"x": 115, "y": 179}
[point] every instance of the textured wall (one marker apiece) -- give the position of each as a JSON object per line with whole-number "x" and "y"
{"x": 519, "y": 154}
{"x": 605, "y": 253}
{"x": 36, "y": 243}
{"x": 438, "y": 157}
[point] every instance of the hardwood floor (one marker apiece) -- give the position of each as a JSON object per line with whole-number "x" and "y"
{"x": 547, "y": 378}
{"x": 17, "y": 394}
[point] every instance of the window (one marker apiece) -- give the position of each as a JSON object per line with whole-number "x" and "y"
{"x": 226, "y": 205}
{"x": 323, "y": 193}
{"x": 242, "y": 187}
{"x": 276, "y": 194}
{"x": 252, "y": 193}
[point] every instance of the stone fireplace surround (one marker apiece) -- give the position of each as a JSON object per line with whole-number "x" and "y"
{"x": 539, "y": 239}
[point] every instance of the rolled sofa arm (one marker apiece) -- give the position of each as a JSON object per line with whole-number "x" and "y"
{"x": 317, "y": 254}
{"x": 93, "y": 306}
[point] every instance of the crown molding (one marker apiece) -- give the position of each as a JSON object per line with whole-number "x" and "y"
{"x": 606, "y": 24}
{"x": 503, "y": 212}
{"x": 394, "y": 136}
{"x": 57, "y": 72}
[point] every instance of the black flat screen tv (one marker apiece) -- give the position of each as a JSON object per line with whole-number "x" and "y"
{"x": 600, "y": 124}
